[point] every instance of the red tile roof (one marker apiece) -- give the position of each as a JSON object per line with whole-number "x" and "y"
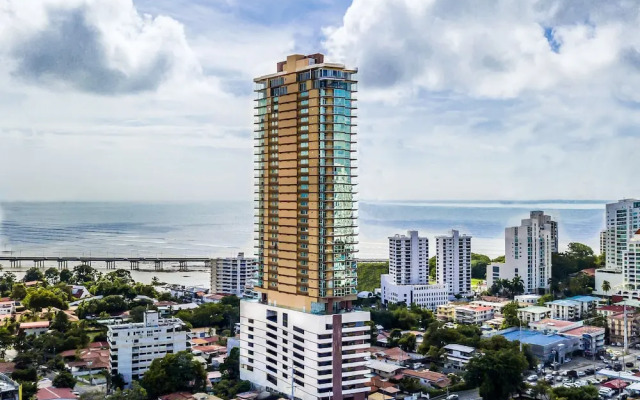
{"x": 553, "y": 322}
{"x": 613, "y": 308}
{"x": 33, "y": 325}
{"x": 177, "y": 396}
{"x": 583, "y": 329}
{"x": 616, "y": 384}
{"x": 52, "y": 393}
{"x": 435, "y": 378}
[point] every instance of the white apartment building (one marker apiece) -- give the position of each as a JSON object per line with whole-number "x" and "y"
{"x": 496, "y": 306}
{"x": 321, "y": 356}
{"x": 233, "y": 275}
{"x": 409, "y": 259}
{"x": 533, "y": 314}
{"x": 527, "y": 299}
{"x": 426, "y": 296}
{"x": 458, "y": 356}
{"x": 133, "y": 346}
{"x": 622, "y": 221}
{"x": 631, "y": 264}
{"x": 408, "y": 278}
{"x": 528, "y": 250}
{"x": 472, "y": 314}
{"x": 453, "y": 262}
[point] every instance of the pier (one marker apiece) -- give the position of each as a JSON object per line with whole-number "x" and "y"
{"x": 109, "y": 262}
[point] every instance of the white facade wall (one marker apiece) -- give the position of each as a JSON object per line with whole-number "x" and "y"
{"x": 233, "y": 275}
{"x": 453, "y": 262}
{"x": 132, "y": 347}
{"x": 622, "y": 221}
{"x": 528, "y": 250}
{"x": 426, "y": 296}
{"x": 473, "y": 314}
{"x": 497, "y": 271}
{"x": 323, "y": 356}
{"x": 631, "y": 263}
{"x": 409, "y": 259}
{"x": 613, "y": 276}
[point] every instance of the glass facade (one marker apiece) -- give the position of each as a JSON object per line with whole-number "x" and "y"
{"x": 305, "y": 189}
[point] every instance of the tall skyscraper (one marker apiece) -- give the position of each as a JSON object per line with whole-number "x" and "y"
{"x": 409, "y": 259}
{"x": 528, "y": 250}
{"x": 408, "y": 278}
{"x": 300, "y": 336}
{"x": 623, "y": 220}
{"x": 453, "y": 262}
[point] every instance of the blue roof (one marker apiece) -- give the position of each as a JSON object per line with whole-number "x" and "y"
{"x": 533, "y": 337}
{"x": 584, "y": 299}
{"x": 565, "y": 302}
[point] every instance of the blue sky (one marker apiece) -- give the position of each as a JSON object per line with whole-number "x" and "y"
{"x": 152, "y": 99}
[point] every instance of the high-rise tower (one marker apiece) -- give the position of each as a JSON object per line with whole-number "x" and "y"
{"x": 300, "y": 336}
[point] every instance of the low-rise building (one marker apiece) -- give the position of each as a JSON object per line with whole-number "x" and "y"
{"x": 533, "y": 314}
{"x": 527, "y": 299}
{"x": 549, "y": 325}
{"x": 134, "y": 346}
{"x": 606, "y": 311}
{"x": 546, "y": 347}
{"x": 471, "y": 314}
{"x": 458, "y": 356}
{"x": 384, "y": 369}
{"x": 616, "y": 326}
{"x": 591, "y": 337}
{"x": 428, "y": 378}
{"x": 446, "y": 312}
{"x": 52, "y": 393}
{"x": 34, "y": 328}
{"x": 7, "y": 307}
{"x": 496, "y": 306}
{"x": 424, "y": 295}
{"x": 573, "y": 308}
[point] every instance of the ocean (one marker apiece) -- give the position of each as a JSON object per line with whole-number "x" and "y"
{"x": 219, "y": 229}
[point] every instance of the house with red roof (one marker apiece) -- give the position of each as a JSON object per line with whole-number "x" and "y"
{"x": 473, "y": 314}
{"x": 428, "y": 378}
{"x": 34, "y": 328}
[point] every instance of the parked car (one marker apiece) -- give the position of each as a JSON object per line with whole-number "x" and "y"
{"x": 558, "y": 378}
{"x": 581, "y": 374}
{"x": 452, "y": 397}
{"x": 589, "y": 371}
{"x": 617, "y": 367}
{"x": 548, "y": 378}
{"x": 532, "y": 378}
{"x": 629, "y": 364}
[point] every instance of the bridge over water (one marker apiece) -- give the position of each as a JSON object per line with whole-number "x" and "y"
{"x": 134, "y": 262}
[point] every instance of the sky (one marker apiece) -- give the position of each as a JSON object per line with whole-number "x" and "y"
{"x": 139, "y": 100}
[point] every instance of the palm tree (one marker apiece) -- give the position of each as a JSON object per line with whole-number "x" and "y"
{"x": 517, "y": 285}
{"x": 606, "y": 286}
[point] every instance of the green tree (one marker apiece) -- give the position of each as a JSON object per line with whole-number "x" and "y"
{"x": 517, "y": 285}
{"x": 394, "y": 337}
{"x": 6, "y": 340}
{"x": 84, "y": 273}
{"x": 510, "y": 314}
{"x": 230, "y": 368}
{"x": 432, "y": 268}
{"x": 66, "y": 275}
{"x": 497, "y": 373}
{"x": 545, "y": 299}
{"x": 136, "y": 392}
{"x": 40, "y": 298}
{"x": 479, "y": 264}
{"x": 61, "y": 322}
{"x": 407, "y": 342}
{"x": 606, "y": 286}
{"x": 33, "y": 274}
{"x": 52, "y": 275}
{"x": 173, "y": 373}
{"x": 581, "y": 393}
{"x": 18, "y": 291}
{"x": 64, "y": 380}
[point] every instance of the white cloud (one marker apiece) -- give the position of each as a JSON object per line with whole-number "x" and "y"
{"x": 494, "y": 99}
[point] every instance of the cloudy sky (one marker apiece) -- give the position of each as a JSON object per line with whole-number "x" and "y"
{"x": 151, "y": 99}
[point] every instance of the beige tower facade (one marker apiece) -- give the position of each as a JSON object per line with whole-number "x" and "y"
{"x": 304, "y": 184}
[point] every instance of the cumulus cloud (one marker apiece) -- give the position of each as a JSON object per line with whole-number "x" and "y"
{"x": 490, "y": 49}
{"x": 494, "y": 98}
{"x": 103, "y": 47}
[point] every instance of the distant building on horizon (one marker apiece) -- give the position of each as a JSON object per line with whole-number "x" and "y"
{"x": 528, "y": 250}
{"x": 453, "y": 262}
{"x": 408, "y": 278}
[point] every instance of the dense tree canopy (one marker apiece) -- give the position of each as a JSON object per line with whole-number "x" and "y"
{"x": 479, "y": 263}
{"x": 33, "y": 274}
{"x": 498, "y": 373}
{"x": 39, "y": 298}
{"x": 369, "y": 275}
{"x": 174, "y": 373}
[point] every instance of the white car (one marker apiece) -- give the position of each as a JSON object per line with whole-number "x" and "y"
{"x": 452, "y": 397}
{"x": 548, "y": 378}
{"x": 580, "y": 383}
{"x": 532, "y": 378}
{"x": 568, "y": 385}
{"x": 581, "y": 374}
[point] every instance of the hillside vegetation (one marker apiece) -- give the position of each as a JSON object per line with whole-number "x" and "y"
{"x": 369, "y": 275}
